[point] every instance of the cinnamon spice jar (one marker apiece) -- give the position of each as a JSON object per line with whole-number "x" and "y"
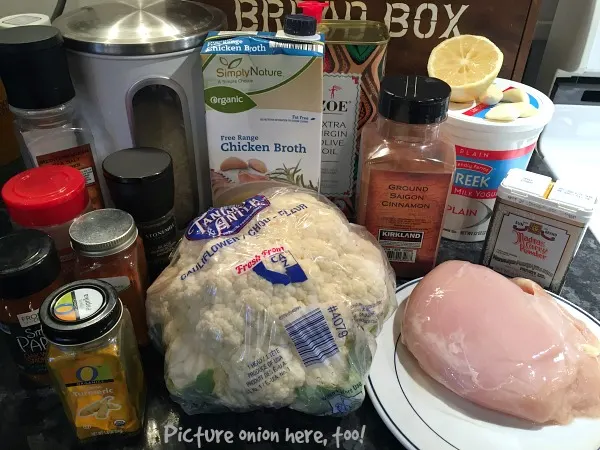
{"x": 107, "y": 247}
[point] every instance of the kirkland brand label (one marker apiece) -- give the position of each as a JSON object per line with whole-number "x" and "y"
{"x": 341, "y": 108}
{"x": 479, "y": 174}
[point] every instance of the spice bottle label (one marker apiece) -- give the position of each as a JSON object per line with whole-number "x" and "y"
{"x": 530, "y": 248}
{"x": 97, "y": 396}
{"x": 27, "y": 343}
{"x": 78, "y": 304}
{"x": 405, "y": 213}
{"x": 121, "y": 283}
{"x": 160, "y": 238}
{"x": 341, "y": 108}
{"x": 80, "y": 158}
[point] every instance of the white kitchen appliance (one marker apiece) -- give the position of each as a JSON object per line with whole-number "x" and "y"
{"x": 569, "y": 70}
{"x": 138, "y": 75}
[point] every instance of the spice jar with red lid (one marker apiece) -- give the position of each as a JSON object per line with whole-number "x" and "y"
{"x": 49, "y": 199}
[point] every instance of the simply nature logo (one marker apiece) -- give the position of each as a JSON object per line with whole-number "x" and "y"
{"x": 232, "y": 69}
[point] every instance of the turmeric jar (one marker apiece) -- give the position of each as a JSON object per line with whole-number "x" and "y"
{"x": 93, "y": 359}
{"x": 107, "y": 247}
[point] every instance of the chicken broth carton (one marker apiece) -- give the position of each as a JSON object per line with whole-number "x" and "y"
{"x": 263, "y": 97}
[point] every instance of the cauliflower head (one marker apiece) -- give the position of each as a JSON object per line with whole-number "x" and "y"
{"x": 272, "y": 303}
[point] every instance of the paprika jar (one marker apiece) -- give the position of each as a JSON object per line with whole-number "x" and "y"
{"x": 48, "y": 199}
{"x": 107, "y": 247}
{"x": 29, "y": 271}
{"x": 93, "y": 359}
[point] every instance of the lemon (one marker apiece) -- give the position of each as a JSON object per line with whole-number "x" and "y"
{"x": 469, "y": 64}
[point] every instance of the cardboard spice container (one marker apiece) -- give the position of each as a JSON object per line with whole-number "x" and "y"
{"x": 537, "y": 228}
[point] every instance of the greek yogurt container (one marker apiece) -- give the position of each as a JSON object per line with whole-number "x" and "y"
{"x": 485, "y": 152}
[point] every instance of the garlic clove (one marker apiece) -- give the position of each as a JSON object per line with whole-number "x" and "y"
{"x": 515, "y": 96}
{"x": 492, "y": 96}
{"x": 527, "y": 109}
{"x": 506, "y": 112}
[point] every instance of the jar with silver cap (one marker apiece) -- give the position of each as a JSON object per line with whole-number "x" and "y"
{"x": 107, "y": 247}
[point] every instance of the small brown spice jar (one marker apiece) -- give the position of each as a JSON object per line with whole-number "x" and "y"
{"x": 29, "y": 272}
{"x": 107, "y": 247}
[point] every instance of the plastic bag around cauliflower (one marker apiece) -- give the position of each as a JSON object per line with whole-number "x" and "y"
{"x": 272, "y": 303}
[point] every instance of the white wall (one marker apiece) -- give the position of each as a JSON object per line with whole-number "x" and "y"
{"x": 9, "y": 7}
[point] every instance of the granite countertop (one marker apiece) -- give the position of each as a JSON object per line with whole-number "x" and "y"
{"x": 35, "y": 419}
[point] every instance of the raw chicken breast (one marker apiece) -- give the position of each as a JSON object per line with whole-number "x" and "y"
{"x": 505, "y": 345}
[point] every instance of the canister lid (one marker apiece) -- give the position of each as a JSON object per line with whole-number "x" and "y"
{"x": 414, "y": 99}
{"x": 45, "y": 196}
{"x": 33, "y": 67}
{"x": 80, "y": 312}
{"x": 19, "y": 20}
{"x": 29, "y": 263}
{"x": 103, "y": 232}
{"x": 141, "y": 182}
{"x": 139, "y": 27}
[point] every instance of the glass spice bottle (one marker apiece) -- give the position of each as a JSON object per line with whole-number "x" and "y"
{"x": 49, "y": 199}
{"x": 107, "y": 247}
{"x": 29, "y": 271}
{"x": 50, "y": 128}
{"x": 93, "y": 359}
{"x": 407, "y": 172}
{"x": 141, "y": 182}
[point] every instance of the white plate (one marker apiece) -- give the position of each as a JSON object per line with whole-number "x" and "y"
{"x": 424, "y": 415}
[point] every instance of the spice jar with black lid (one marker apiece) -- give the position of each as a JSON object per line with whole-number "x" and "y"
{"x": 141, "y": 182}
{"x": 93, "y": 359}
{"x": 29, "y": 271}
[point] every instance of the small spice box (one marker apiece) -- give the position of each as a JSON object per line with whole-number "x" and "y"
{"x": 537, "y": 227}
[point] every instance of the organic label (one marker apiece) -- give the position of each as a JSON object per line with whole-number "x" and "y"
{"x": 228, "y": 100}
{"x": 29, "y": 319}
{"x": 97, "y": 396}
{"x": 80, "y": 158}
{"x": 78, "y": 305}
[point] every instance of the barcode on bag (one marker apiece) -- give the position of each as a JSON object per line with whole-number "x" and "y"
{"x": 397, "y": 255}
{"x": 297, "y": 46}
{"x": 312, "y": 337}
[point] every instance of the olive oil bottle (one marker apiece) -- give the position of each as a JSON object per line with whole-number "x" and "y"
{"x": 353, "y": 68}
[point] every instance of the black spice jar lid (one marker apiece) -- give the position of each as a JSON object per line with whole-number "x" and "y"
{"x": 300, "y": 25}
{"x": 80, "y": 312}
{"x": 33, "y": 67}
{"x": 29, "y": 263}
{"x": 141, "y": 182}
{"x": 414, "y": 99}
